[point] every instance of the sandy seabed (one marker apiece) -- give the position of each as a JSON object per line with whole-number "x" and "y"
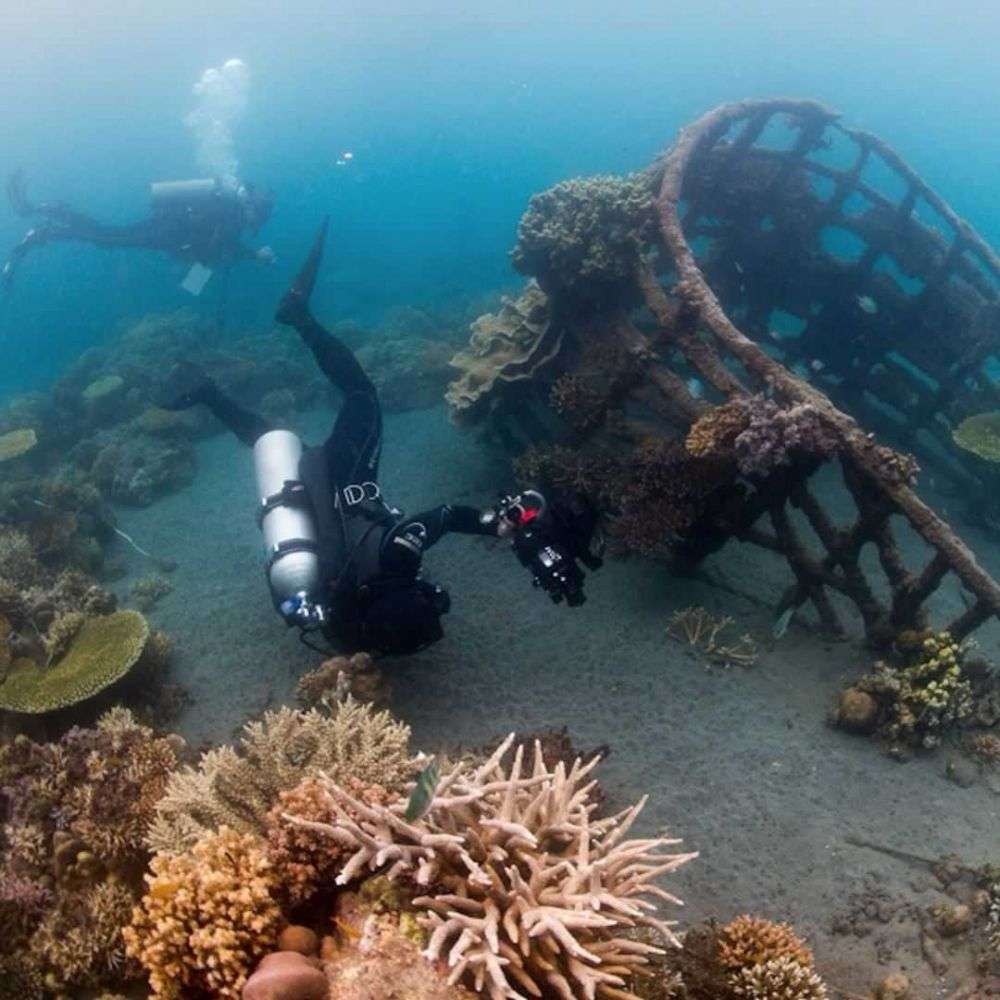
{"x": 740, "y": 763}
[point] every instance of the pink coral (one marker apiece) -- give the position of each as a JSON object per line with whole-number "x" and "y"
{"x": 774, "y": 436}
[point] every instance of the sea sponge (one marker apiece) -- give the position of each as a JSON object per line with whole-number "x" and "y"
{"x": 104, "y": 650}
{"x": 778, "y": 979}
{"x": 524, "y": 892}
{"x": 748, "y": 941}
{"x": 207, "y": 918}
{"x": 237, "y": 787}
{"x": 14, "y": 444}
{"x": 980, "y": 435}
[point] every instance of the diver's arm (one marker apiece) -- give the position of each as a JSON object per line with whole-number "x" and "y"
{"x": 412, "y": 537}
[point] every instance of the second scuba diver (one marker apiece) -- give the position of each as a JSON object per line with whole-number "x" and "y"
{"x": 343, "y": 562}
{"x": 200, "y": 222}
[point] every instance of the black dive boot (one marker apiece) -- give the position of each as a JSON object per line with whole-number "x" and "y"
{"x": 293, "y": 309}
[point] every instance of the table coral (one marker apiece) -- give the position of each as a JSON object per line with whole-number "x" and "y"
{"x": 980, "y": 435}
{"x": 207, "y": 917}
{"x": 14, "y": 444}
{"x": 238, "y": 786}
{"x": 524, "y": 891}
{"x": 101, "y": 652}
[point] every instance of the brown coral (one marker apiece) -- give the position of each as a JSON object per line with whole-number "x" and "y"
{"x": 305, "y": 863}
{"x": 748, "y": 941}
{"x": 207, "y": 917}
{"x": 524, "y": 891}
{"x": 336, "y": 678}
{"x": 238, "y": 786}
{"x": 715, "y": 433}
{"x": 779, "y": 979}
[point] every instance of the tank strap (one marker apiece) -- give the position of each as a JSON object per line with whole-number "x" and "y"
{"x": 292, "y": 494}
{"x": 289, "y": 545}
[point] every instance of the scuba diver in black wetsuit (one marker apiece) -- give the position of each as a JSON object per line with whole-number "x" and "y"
{"x": 342, "y": 561}
{"x": 200, "y": 221}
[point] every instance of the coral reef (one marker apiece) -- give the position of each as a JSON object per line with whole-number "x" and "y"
{"x": 523, "y": 891}
{"x": 779, "y": 979}
{"x": 75, "y": 814}
{"x": 699, "y": 628}
{"x": 582, "y": 239}
{"x": 749, "y": 941}
{"x": 761, "y": 436}
{"x": 409, "y": 373}
{"x": 336, "y": 678}
{"x": 134, "y": 468}
{"x": 95, "y": 654}
{"x": 506, "y": 347}
{"x": 207, "y": 917}
{"x": 920, "y": 697}
{"x": 238, "y": 786}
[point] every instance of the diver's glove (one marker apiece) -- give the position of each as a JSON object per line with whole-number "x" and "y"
{"x": 549, "y": 538}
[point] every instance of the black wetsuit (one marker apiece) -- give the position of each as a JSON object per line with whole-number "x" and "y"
{"x": 207, "y": 230}
{"x": 363, "y": 542}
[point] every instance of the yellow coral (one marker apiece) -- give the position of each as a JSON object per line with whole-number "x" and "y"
{"x": 748, "y": 941}
{"x": 104, "y": 651}
{"x": 715, "y": 433}
{"x": 13, "y": 444}
{"x": 208, "y": 917}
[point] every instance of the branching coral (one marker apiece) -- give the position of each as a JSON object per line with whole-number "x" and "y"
{"x": 524, "y": 892}
{"x": 582, "y": 239}
{"x": 779, "y": 979}
{"x": 748, "y": 941}
{"x": 207, "y": 917}
{"x": 75, "y": 813}
{"x": 303, "y": 862}
{"x": 698, "y": 627}
{"x": 238, "y": 787}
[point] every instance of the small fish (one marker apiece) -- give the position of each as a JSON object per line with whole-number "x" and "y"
{"x": 774, "y": 335}
{"x": 695, "y": 387}
{"x": 423, "y": 793}
{"x": 782, "y": 622}
{"x": 867, "y": 304}
{"x": 816, "y": 365}
{"x": 738, "y": 266}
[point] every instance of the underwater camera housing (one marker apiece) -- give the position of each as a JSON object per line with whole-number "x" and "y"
{"x": 549, "y": 537}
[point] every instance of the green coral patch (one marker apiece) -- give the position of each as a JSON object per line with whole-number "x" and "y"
{"x": 102, "y": 387}
{"x": 980, "y": 435}
{"x": 103, "y": 651}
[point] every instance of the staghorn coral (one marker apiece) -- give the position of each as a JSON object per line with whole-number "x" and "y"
{"x": 749, "y": 941}
{"x": 699, "y": 628}
{"x": 523, "y": 891}
{"x": 779, "y": 979}
{"x": 102, "y": 651}
{"x": 237, "y": 787}
{"x": 583, "y": 239}
{"x": 207, "y": 917}
{"x": 505, "y": 347}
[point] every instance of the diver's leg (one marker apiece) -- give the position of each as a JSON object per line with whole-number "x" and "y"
{"x": 187, "y": 385}
{"x": 354, "y": 446}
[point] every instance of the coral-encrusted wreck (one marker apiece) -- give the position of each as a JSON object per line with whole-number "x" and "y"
{"x": 787, "y": 277}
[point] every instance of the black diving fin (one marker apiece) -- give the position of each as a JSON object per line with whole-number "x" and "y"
{"x": 294, "y": 304}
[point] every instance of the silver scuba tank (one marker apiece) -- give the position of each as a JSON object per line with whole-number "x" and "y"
{"x": 287, "y": 525}
{"x": 169, "y": 196}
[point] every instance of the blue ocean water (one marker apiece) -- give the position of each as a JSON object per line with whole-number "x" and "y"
{"x": 455, "y": 113}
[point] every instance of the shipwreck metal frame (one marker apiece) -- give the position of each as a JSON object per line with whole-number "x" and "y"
{"x": 690, "y": 319}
